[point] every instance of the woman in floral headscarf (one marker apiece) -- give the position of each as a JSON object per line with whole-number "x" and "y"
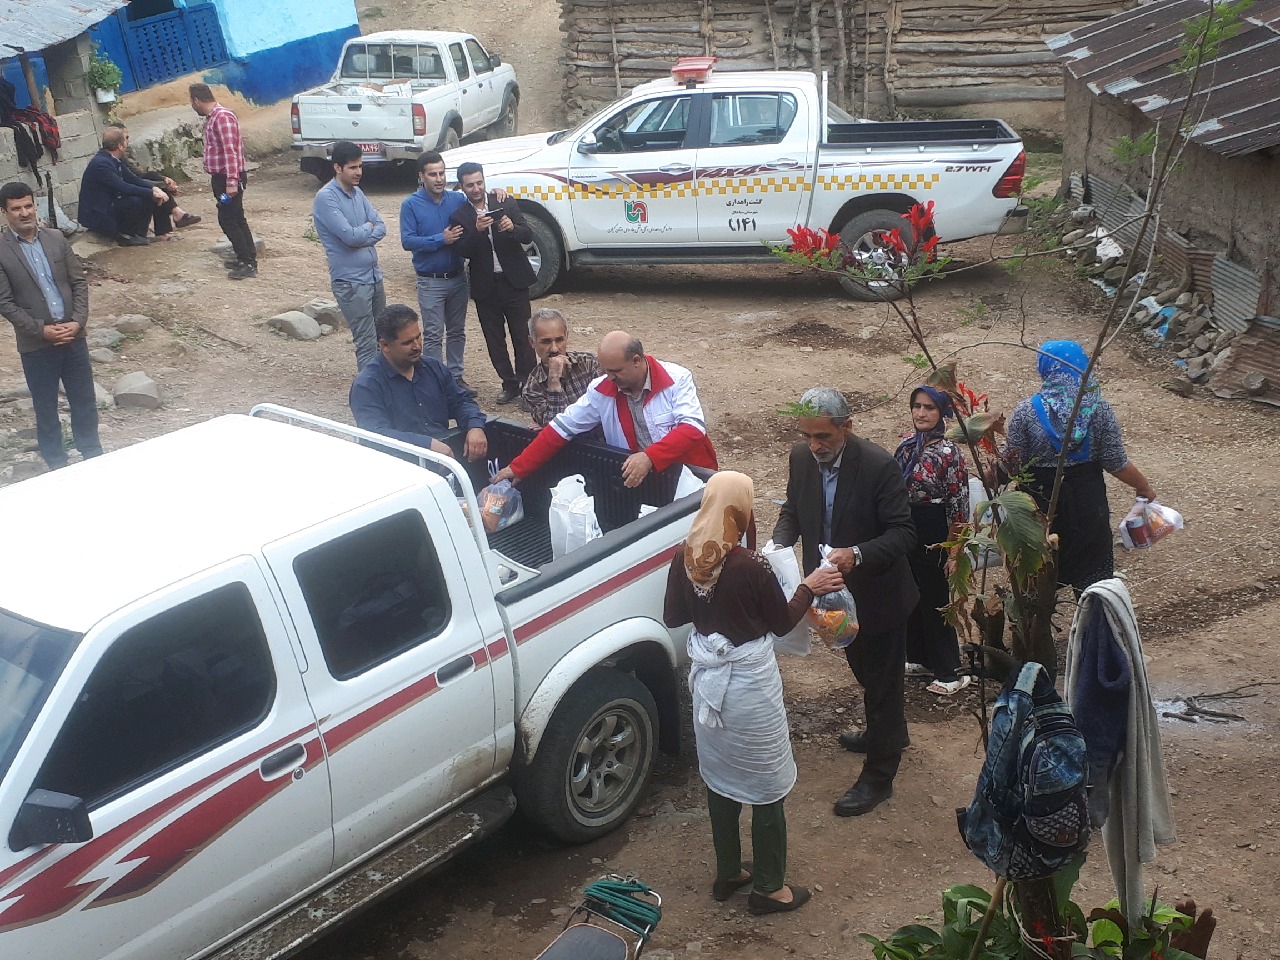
{"x": 937, "y": 482}
{"x": 732, "y": 598}
{"x": 1039, "y": 429}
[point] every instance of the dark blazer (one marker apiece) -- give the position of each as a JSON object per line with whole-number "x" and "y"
{"x": 22, "y": 301}
{"x": 105, "y": 180}
{"x": 870, "y": 512}
{"x": 474, "y": 245}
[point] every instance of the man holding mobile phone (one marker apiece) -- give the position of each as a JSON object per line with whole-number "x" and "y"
{"x": 493, "y": 239}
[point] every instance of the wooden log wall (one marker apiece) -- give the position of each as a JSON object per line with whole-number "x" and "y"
{"x": 885, "y": 58}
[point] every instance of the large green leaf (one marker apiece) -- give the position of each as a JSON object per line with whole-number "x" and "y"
{"x": 1022, "y": 533}
{"x": 977, "y": 426}
{"x": 943, "y": 377}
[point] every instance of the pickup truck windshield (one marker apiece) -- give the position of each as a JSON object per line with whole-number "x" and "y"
{"x": 31, "y": 660}
{"x": 391, "y": 61}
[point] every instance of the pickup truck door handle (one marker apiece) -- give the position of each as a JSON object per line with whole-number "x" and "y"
{"x": 353, "y": 107}
{"x": 676, "y": 168}
{"x": 786, "y": 163}
{"x": 455, "y": 669}
{"x": 283, "y": 761}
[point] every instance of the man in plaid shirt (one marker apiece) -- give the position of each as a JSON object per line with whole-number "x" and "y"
{"x": 562, "y": 375}
{"x": 224, "y": 162}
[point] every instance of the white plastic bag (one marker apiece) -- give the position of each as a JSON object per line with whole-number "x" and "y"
{"x": 834, "y": 617}
{"x": 1147, "y": 523}
{"x": 688, "y": 484}
{"x": 978, "y": 494}
{"x": 573, "y": 516}
{"x": 782, "y": 561}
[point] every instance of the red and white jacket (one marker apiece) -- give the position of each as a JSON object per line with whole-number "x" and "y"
{"x": 672, "y": 412}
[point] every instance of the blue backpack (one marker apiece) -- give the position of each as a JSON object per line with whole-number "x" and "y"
{"x": 1029, "y": 817}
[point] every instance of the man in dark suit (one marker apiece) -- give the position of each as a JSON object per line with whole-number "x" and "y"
{"x": 116, "y": 202}
{"x": 493, "y": 242}
{"x": 848, "y": 493}
{"x": 44, "y": 294}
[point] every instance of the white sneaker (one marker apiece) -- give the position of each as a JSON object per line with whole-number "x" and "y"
{"x": 949, "y": 688}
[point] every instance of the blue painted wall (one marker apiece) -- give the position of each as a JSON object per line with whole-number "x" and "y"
{"x": 267, "y": 76}
{"x": 12, "y": 71}
{"x": 251, "y": 27}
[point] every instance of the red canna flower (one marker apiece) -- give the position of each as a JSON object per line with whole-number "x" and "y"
{"x": 812, "y": 243}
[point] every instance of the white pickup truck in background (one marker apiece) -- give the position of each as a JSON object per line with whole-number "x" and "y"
{"x": 293, "y": 676}
{"x": 400, "y": 93}
{"x": 708, "y": 167}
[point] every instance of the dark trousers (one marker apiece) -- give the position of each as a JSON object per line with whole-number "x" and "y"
{"x": 231, "y": 218}
{"x": 930, "y": 640}
{"x": 133, "y": 215}
{"x": 877, "y": 661}
{"x": 44, "y": 368}
{"x": 768, "y": 841}
{"x": 504, "y": 308}
{"x": 162, "y": 217}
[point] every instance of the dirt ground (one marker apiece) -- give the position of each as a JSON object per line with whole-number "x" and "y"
{"x": 756, "y": 339}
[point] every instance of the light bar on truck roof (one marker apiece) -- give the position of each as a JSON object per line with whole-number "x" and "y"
{"x": 691, "y": 71}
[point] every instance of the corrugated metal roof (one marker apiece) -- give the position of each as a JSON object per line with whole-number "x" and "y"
{"x": 1236, "y": 107}
{"x": 32, "y": 25}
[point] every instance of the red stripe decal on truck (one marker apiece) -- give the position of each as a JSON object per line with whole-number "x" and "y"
{"x": 555, "y": 615}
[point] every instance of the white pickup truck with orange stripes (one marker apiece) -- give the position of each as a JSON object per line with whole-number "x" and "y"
{"x": 703, "y": 167}
{"x": 246, "y": 702}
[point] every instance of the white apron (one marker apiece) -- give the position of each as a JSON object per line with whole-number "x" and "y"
{"x": 739, "y": 720}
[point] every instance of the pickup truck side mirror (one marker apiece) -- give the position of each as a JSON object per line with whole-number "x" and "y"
{"x": 588, "y": 143}
{"x": 48, "y": 817}
{"x": 495, "y": 61}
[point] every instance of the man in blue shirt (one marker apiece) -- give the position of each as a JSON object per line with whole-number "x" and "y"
{"x": 412, "y": 397}
{"x": 443, "y": 291}
{"x": 349, "y": 228}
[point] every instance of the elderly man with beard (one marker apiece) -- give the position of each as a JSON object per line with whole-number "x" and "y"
{"x": 848, "y": 493}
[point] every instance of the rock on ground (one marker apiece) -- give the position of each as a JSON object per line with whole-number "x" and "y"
{"x": 325, "y": 312}
{"x": 105, "y": 400}
{"x": 133, "y": 323}
{"x": 137, "y": 390}
{"x": 223, "y": 247}
{"x": 101, "y": 355}
{"x": 104, "y": 337}
{"x": 296, "y": 324}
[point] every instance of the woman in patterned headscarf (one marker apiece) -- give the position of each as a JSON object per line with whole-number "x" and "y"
{"x": 1039, "y": 429}
{"x": 730, "y": 595}
{"x": 937, "y": 482}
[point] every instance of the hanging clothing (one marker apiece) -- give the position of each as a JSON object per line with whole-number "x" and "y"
{"x": 1139, "y": 814}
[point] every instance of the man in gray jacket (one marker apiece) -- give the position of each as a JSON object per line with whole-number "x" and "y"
{"x": 44, "y": 294}
{"x": 349, "y": 228}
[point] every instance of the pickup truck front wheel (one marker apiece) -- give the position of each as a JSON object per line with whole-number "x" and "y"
{"x": 545, "y": 255}
{"x": 864, "y": 235}
{"x": 594, "y": 759}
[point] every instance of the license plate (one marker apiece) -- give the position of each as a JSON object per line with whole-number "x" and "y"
{"x": 371, "y": 149}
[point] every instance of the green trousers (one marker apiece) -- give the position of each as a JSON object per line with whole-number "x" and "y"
{"x": 768, "y": 841}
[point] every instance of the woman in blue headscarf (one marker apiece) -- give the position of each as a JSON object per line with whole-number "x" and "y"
{"x": 933, "y": 469}
{"x": 1039, "y": 429}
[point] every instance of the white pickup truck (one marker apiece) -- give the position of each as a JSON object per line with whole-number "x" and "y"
{"x": 703, "y": 167}
{"x": 402, "y": 92}
{"x": 244, "y": 701}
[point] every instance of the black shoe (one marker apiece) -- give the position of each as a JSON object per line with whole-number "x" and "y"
{"x": 467, "y": 388}
{"x": 128, "y": 240}
{"x": 758, "y": 904}
{"x": 855, "y": 741}
{"x": 232, "y": 264}
{"x": 508, "y": 394}
{"x": 244, "y": 271}
{"x": 862, "y": 797}
{"x": 722, "y": 890}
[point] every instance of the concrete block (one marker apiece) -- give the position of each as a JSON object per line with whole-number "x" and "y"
{"x": 78, "y": 123}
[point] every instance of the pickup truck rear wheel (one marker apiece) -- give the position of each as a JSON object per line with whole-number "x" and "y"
{"x": 545, "y": 255}
{"x": 864, "y": 236}
{"x": 594, "y": 759}
{"x": 451, "y": 140}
